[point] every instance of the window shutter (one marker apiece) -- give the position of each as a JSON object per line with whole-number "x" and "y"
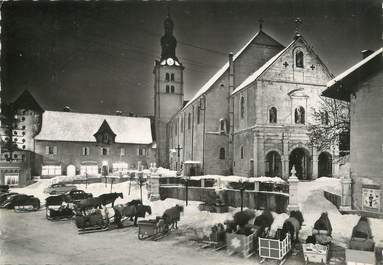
{"x": 55, "y": 150}
{"x": 100, "y": 150}
{"x": 138, "y": 151}
{"x": 83, "y": 150}
{"x": 47, "y": 150}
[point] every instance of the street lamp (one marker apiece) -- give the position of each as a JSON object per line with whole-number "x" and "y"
{"x": 241, "y": 189}
{"x": 141, "y": 182}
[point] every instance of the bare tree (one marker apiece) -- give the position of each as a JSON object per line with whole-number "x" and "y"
{"x": 331, "y": 124}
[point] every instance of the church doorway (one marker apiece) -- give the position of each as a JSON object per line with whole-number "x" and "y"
{"x": 273, "y": 166}
{"x": 300, "y": 158}
{"x": 324, "y": 165}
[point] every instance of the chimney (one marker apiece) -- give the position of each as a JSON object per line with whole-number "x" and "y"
{"x": 366, "y": 53}
{"x": 119, "y": 112}
{"x": 131, "y": 114}
{"x": 231, "y": 73}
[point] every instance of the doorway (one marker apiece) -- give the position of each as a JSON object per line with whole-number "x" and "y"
{"x": 300, "y": 158}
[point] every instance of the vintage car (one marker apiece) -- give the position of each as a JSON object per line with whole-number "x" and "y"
{"x": 4, "y": 189}
{"x": 21, "y": 200}
{"x": 59, "y": 188}
{"x": 5, "y": 196}
{"x": 77, "y": 195}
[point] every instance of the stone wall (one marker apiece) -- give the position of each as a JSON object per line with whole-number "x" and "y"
{"x": 252, "y": 199}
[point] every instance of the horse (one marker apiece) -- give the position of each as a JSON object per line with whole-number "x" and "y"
{"x": 172, "y": 215}
{"x": 361, "y": 237}
{"x": 89, "y": 203}
{"x": 322, "y": 231}
{"x": 134, "y": 202}
{"x": 242, "y": 218}
{"x": 108, "y": 198}
{"x": 264, "y": 222}
{"x": 133, "y": 211}
{"x": 292, "y": 225}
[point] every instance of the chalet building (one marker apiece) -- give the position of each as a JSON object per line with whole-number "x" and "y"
{"x": 362, "y": 86}
{"x": 88, "y": 144}
{"x": 251, "y": 117}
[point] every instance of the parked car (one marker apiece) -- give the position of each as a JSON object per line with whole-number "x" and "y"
{"x": 21, "y": 200}
{"x": 4, "y": 188}
{"x": 77, "y": 195}
{"x": 5, "y": 196}
{"x": 59, "y": 188}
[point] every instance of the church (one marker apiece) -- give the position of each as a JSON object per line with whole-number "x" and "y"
{"x": 250, "y": 118}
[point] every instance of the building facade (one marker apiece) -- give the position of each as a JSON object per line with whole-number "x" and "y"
{"x": 91, "y": 144}
{"x": 361, "y": 85}
{"x": 251, "y": 118}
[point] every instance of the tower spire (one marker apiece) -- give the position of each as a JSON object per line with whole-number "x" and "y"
{"x": 260, "y": 23}
{"x": 168, "y": 42}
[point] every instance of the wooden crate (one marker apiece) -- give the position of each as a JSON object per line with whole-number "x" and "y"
{"x": 315, "y": 253}
{"x": 359, "y": 257}
{"x": 240, "y": 244}
{"x": 274, "y": 248}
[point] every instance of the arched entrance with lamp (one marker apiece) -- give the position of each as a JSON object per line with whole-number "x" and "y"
{"x": 300, "y": 158}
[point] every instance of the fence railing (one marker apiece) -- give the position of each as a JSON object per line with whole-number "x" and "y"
{"x": 335, "y": 199}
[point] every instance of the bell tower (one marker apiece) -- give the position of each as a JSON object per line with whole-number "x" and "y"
{"x": 168, "y": 89}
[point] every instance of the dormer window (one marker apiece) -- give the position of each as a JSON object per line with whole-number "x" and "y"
{"x": 299, "y": 59}
{"x": 105, "y": 135}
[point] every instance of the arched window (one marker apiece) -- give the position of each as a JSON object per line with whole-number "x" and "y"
{"x": 300, "y": 115}
{"x": 172, "y": 77}
{"x": 182, "y": 124}
{"x": 299, "y": 59}
{"x": 189, "y": 121}
{"x": 273, "y": 115}
{"x": 222, "y": 125}
{"x": 172, "y": 89}
{"x": 242, "y": 152}
{"x": 222, "y": 153}
{"x": 242, "y": 107}
{"x": 198, "y": 115}
{"x": 167, "y": 89}
{"x": 167, "y": 77}
{"x": 324, "y": 118}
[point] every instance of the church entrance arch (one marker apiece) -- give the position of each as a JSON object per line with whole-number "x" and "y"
{"x": 325, "y": 165}
{"x": 300, "y": 158}
{"x": 273, "y": 167}
{"x": 71, "y": 171}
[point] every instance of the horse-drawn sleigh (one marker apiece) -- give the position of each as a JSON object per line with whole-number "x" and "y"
{"x": 155, "y": 229}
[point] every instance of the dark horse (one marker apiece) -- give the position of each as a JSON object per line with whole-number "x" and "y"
{"x": 264, "y": 222}
{"x": 292, "y": 225}
{"x": 108, "y": 198}
{"x": 133, "y": 211}
{"x": 90, "y": 203}
{"x": 172, "y": 215}
{"x": 55, "y": 200}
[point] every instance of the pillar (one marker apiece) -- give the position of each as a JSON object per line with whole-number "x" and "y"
{"x": 335, "y": 161}
{"x": 315, "y": 163}
{"x": 256, "y": 186}
{"x": 285, "y": 156}
{"x": 202, "y": 183}
{"x": 261, "y": 155}
{"x": 293, "y": 191}
{"x": 346, "y": 194}
{"x": 255, "y": 154}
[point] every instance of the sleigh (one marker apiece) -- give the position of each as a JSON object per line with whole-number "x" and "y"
{"x": 58, "y": 213}
{"x": 29, "y": 205}
{"x": 94, "y": 222}
{"x": 153, "y": 229}
{"x": 361, "y": 251}
{"x": 241, "y": 244}
{"x": 274, "y": 248}
{"x": 315, "y": 253}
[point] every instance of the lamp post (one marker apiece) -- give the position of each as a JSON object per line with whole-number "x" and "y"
{"x": 179, "y": 148}
{"x": 140, "y": 182}
{"x": 241, "y": 189}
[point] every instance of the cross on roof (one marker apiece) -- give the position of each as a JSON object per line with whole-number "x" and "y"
{"x": 285, "y": 64}
{"x": 298, "y": 23}
{"x": 312, "y": 67}
{"x": 260, "y": 23}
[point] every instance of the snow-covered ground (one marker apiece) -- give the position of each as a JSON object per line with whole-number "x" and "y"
{"x": 197, "y": 223}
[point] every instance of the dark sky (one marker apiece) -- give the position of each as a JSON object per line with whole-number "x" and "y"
{"x": 99, "y": 56}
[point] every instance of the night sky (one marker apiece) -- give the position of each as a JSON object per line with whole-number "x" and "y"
{"x": 98, "y": 57}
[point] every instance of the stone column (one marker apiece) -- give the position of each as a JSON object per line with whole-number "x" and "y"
{"x": 256, "y": 186}
{"x": 346, "y": 194}
{"x": 255, "y": 153}
{"x": 285, "y": 156}
{"x": 261, "y": 158}
{"x": 293, "y": 191}
{"x": 154, "y": 183}
{"x": 315, "y": 163}
{"x": 202, "y": 183}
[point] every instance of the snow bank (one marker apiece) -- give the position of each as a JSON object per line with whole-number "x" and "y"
{"x": 332, "y": 185}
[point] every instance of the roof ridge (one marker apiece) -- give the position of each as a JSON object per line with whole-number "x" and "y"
{"x": 99, "y": 114}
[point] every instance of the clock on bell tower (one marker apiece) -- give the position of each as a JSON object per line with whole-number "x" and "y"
{"x": 168, "y": 89}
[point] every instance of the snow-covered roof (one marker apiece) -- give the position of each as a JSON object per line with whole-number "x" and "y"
{"x": 354, "y": 68}
{"x": 260, "y": 70}
{"x": 217, "y": 75}
{"x": 81, "y": 127}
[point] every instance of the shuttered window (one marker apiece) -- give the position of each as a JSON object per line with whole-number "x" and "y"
{"x": 85, "y": 151}
{"x": 50, "y": 150}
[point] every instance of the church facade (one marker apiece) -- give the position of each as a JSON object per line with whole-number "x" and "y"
{"x": 250, "y": 118}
